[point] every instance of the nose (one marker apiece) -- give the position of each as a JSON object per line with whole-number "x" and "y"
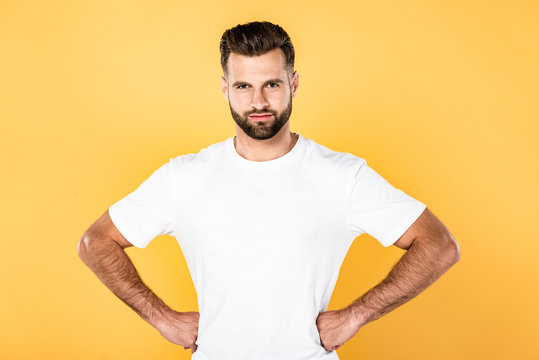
{"x": 259, "y": 101}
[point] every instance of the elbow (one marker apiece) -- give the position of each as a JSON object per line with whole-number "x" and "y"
{"x": 87, "y": 246}
{"x": 91, "y": 246}
{"x": 82, "y": 247}
{"x": 452, "y": 249}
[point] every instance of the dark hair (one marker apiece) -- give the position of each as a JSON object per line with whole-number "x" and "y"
{"x": 256, "y": 38}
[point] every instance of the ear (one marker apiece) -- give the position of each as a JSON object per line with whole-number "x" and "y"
{"x": 224, "y": 87}
{"x": 295, "y": 83}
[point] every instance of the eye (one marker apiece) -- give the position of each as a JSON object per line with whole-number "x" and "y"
{"x": 241, "y": 86}
{"x": 276, "y": 85}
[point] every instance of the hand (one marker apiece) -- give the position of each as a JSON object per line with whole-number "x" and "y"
{"x": 180, "y": 328}
{"x": 336, "y": 327}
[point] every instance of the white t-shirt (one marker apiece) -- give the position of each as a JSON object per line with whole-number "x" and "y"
{"x": 264, "y": 241}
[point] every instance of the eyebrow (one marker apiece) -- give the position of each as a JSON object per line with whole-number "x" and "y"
{"x": 276, "y": 80}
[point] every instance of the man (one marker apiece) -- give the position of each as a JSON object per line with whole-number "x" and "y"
{"x": 265, "y": 219}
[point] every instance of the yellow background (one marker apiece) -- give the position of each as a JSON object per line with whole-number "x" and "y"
{"x": 439, "y": 97}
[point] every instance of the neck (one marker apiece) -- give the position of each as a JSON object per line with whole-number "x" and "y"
{"x": 265, "y": 150}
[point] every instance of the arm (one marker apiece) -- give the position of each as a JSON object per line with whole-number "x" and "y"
{"x": 101, "y": 248}
{"x": 430, "y": 251}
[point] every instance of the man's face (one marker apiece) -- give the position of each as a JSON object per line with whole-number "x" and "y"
{"x": 258, "y": 86}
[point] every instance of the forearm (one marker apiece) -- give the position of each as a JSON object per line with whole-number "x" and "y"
{"x": 115, "y": 269}
{"x": 422, "y": 264}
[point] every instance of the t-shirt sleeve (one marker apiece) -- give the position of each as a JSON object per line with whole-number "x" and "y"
{"x": 146, "y": 212}
{"x": 378, "y": 208}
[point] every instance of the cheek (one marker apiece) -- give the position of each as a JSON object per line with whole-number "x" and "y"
{"x": 240, "y": 100}
{"x": 235, "y": 101}
{"x": 278, "y": 100}
{"x": 275, "y": 96}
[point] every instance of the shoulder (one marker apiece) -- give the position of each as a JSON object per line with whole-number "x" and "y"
{"x": 330, "y": 159}
{"x": 201, "y": 159}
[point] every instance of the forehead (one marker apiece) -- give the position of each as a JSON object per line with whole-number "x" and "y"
{"x": 269, "y": 65}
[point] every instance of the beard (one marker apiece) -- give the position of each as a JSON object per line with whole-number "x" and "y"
{"x": 262, "y": 130}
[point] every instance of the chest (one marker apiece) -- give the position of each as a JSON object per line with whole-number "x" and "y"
{"x": 257, "y": 221}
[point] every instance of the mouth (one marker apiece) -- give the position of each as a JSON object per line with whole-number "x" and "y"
{"x": 260, "y": 116}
